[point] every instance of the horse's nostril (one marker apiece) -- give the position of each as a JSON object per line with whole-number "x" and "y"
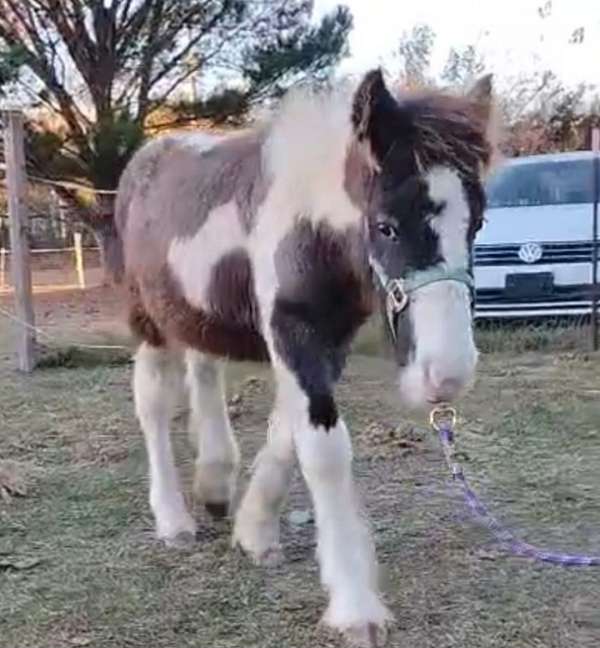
{"x": 449, "y": 386}
{"x": 443, "y": 390}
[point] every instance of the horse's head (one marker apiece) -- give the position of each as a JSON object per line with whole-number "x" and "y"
{"x": 427, "y": 155}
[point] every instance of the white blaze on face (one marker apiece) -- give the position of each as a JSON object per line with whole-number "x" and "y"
{"x": 444, "y": 352}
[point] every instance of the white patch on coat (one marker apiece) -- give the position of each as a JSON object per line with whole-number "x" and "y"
{"x": 305, "y": 156}
{"x": 257, "y": 519}
{"x": 445, "y": 354}
{"x": 210, "y": 431}
{"x": 445, "y": 186}
{"x": 192, "y": 259}
{"x": 157, "y": 386}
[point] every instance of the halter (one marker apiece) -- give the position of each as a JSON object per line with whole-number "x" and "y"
{"x": 399, "y": 290}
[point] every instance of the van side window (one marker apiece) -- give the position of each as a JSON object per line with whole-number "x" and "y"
{"x": 542, "y": 183}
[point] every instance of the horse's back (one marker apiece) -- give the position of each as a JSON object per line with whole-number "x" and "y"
{"x": 153, "y": 171}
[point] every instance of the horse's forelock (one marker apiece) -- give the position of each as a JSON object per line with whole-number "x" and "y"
{"x": 451, "y": 130}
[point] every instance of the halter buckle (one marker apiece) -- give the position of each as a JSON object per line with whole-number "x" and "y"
{"x": 397, "y": 296}
{"x": 396, "y": 302}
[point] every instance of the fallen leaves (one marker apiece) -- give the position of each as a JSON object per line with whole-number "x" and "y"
{"x": 382, "y": 439}
{"x": 12, "y": 481}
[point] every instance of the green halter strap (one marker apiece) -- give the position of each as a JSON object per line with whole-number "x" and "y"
{"x": 399, "y": 290}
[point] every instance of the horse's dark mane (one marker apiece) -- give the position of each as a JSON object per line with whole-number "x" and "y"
{"x": 449, "y": 130}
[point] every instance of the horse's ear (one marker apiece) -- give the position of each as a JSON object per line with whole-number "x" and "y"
{"x": 481, "y": 94}
{"x": 377, "y": 118}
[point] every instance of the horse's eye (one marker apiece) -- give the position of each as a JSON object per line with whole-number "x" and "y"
{"x": 438, "y": 208}
{"x": 387, "y": 230}
{"x": 433, "y": 209}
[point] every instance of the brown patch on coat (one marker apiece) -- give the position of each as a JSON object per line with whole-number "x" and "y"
{"x": 229, "y": 329}
{"x": 324, "y": 286}
{"x": 231, "y": 291}
{"x": 141, "y": 324}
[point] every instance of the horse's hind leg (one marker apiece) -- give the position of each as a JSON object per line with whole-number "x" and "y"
{"x": 157, "y": 385}
{"x": 210, "y": 430}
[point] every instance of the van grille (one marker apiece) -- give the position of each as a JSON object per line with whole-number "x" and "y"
{"x": 560, "y": 294}
{"x": 568, "y": 252}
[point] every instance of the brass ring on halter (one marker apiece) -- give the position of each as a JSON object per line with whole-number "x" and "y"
{"x": 442, "y": 414}
{"x": 397, "y": 297}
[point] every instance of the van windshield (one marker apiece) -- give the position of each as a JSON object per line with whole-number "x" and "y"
{"x": 541, "y": 183}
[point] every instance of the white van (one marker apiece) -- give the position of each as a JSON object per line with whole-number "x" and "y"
{"x": 533, "y": 257}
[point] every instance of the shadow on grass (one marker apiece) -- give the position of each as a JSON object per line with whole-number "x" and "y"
{"x": 73, "y": 357}
{"x": 99, "y": 351}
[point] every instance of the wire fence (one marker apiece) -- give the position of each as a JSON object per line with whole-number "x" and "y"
{"x": 63, "y": 255}
{"x": 56, "y": 269}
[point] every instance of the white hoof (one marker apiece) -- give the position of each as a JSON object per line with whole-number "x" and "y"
{"x": 215, "y": 481}
{"x": 364, "y": 625}
{"x": 367, "y": 636}
{"x": 183, "y": 540}
{"x": 259, "y": 540}
{"x": 271, "y": 557}
{"x": 175, "y": 529}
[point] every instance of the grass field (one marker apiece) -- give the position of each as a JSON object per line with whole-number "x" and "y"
{"x": 79, "y": 566}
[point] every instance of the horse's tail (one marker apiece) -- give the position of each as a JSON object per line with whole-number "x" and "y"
{"x": 114, "y": 255}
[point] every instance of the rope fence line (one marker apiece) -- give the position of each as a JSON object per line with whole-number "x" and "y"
{"x": 58, "y": 225}
{"x": 68, "y": 248}
{"x": 51, "y": 338}
{"x": 66, "y": 184}
{"x": 77, "y": 250}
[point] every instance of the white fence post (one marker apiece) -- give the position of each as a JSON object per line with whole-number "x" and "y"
{"x": 79, "y": 259}
{"x": 2, "y": 268}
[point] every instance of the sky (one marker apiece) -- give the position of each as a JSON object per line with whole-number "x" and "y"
{"x": 510, "y": 34}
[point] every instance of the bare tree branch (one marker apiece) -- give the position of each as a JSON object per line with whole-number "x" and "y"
{"x": 41, "y": 67}
{"x": 130, "y": 29}
{"x": 146, "y": 64}
{"x": 104, "y": 66}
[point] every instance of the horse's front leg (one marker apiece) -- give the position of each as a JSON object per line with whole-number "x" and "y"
{"x": 305, "y": 370}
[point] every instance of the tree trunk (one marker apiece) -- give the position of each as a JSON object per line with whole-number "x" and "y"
{"x": 101, "y": 219}
{"x": 109, "y": 242}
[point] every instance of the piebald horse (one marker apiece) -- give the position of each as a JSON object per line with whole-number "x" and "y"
{"x": 276, "y": 245}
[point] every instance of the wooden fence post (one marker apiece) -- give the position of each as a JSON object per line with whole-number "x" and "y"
{"x": 18, "y": 217}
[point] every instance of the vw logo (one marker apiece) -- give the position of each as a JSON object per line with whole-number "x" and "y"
{"x": 530, "y": 252}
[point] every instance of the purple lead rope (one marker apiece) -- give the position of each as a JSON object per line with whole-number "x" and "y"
{"x": 505, "y": 537}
